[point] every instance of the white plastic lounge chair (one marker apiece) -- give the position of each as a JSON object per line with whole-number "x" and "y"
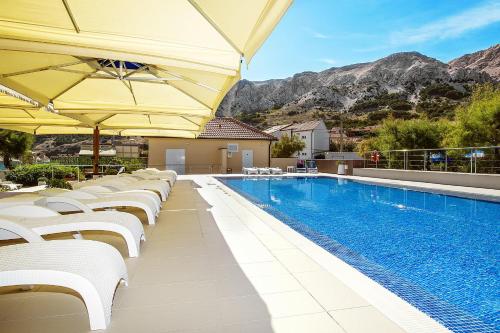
{"x": 157, "y": 171}
{"x": 129, "y": 183}
{"x": 100, "y": 192}
{"x": 276, "y": 171}
{"x": 92, "y": 269}
{"x": 168, "y": 176}
{"x": 264, "y": 171}
{"x": 30, "y": 222}
{"x": 10, "y": 185}
{"x": 70, "y": 201}
{"x": 110, "y": 190}
{"x": 250, "y": 171}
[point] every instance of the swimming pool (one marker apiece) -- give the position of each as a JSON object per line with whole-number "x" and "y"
{"x": 440, "y": 253}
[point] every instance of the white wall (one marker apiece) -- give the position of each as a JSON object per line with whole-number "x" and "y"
{"x": 305, "y": 153}
{"x": 321, "y": 139}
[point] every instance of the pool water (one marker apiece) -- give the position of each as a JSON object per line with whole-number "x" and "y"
{"x": 440, "y": 253}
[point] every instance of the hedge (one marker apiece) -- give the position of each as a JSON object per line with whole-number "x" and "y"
{"x": 28, "y": 174}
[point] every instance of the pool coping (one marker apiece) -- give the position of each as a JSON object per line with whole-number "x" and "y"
{"x": 405, "y": 315}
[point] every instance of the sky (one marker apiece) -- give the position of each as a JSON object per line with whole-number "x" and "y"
{"x": 318, "y": 34}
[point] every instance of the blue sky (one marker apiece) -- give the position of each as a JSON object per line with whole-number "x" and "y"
{"x": 318, "y": 34}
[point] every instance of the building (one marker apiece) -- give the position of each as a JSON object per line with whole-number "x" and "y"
{"x": 314, "y": 134}
{"x": 225, "y": 145}
{"x": 277, "y": 131}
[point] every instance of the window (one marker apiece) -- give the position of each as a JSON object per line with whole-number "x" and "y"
{"x": 304, "y": 137}
{"x": 232, "y": 147}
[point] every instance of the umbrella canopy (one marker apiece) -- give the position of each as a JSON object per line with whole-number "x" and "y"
{"x": 177, "y": 58}
{"x": 124, "y": 97}
{"x": 19, "y": 113}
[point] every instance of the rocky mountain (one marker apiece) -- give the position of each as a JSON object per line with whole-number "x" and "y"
{"x": 487, "y": 61}
{"x": 340, "y": 88}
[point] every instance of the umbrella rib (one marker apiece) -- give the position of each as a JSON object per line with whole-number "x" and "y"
{"x": 158, "y": 113}
{"x": 187, "y": 119}
{"x": 216, "y": 27}
{"x": 70, "y": 14}
{"x": 29, "y": 114}
{"x": 185, "y": 93}
{"x": 46, "y": 68}
{"x": 182, "y": 77}
{"x": 65, "y": 90}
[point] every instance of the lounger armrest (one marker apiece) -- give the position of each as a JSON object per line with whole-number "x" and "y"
{"x": 12, "y": 230}
{"x": 58, "y": 202}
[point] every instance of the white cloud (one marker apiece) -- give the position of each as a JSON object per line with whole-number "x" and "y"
{"x": 451, "y": 26}
{"x": 317, "y": 34}
{"x": 320, "y": 35}
{"x": 328, "y": 61}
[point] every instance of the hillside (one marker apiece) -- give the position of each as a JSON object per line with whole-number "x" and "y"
{"x": 487, "y": 61}
{"x": 394, "y": 83}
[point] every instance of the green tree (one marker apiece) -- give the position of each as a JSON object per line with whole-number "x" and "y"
{"x": 14, "y": 145}
{"x": 287, "y": 146}
{"x": 409, "y": 134}
{"x": 478, "y": 122}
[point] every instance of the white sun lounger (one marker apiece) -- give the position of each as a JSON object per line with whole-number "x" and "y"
{"x": 264, "y": 171}
{"x": 92, "y": 269}
{"x": 129, "y": 183}
{"x": 30, "y": 222}
{"x": 105, "y": 190}
{"x": 70, "y": 201}
{"x": 276, "y": 171}
{"x": 170, "y": 177}
{"x": 171, "y": 174}
{"x": 157, "y": 171}
{"x": 250, "y": 171}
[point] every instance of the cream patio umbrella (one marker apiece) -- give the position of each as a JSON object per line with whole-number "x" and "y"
{"x": 176, "y": 59}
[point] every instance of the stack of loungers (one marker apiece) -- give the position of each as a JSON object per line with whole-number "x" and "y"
{"x": 92, "y": 269}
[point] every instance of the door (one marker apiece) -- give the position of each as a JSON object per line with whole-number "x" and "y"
{"x": 175, "y": 159}
{"x": 247, "y": 158}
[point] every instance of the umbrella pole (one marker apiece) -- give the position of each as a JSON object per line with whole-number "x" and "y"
{"x": 96, "y": 151}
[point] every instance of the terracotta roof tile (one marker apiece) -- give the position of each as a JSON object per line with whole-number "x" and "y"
{"x": 230, "y": 128}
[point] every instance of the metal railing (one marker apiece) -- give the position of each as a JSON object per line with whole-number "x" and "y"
{"x": 484, "y": 160}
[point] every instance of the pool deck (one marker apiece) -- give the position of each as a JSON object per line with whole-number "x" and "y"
{"x": 214, "y": 262}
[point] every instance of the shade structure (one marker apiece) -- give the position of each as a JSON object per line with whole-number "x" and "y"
{"x": 152, "y": 68}
{"x": 127, "y": 98}
{"x": 21, "y": 114}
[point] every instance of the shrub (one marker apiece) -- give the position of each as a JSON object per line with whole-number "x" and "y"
{"x": 59, "y": 183}
{"x": 28, "y": 174}
{"x": 287, "y": 146}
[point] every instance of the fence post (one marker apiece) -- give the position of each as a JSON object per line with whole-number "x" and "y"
{"x": 446, "y": 161}
{"x": 425, "y": 160}
{"x": 471, "y": 153}
{"x": 389, "y": 159}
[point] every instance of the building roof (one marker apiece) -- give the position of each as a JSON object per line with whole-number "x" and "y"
{"x": 230, "y": 128}
{"x": 307, "y": 126}
{"x": 275, "y": 128}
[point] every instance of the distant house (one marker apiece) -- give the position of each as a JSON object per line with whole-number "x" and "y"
{"x": 276, "y": 131}
{"x": 314, "y": 134}
{"x": 226, "y": 144}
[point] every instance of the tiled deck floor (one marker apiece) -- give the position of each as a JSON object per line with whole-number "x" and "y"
{"x": 198, "y": 275}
